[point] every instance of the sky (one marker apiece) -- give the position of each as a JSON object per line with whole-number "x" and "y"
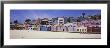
{"x": 21, "y": 15}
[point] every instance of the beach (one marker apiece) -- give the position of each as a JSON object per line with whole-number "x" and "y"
{"x": 32, "y": 34}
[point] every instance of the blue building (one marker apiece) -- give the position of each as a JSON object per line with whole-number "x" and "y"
{"x": 43, "y": 28}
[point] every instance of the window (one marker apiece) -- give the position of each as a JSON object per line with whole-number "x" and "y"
{"x": 85, "y": 29}
{"x": 74, "y": 26}
{"x": 77, "y": 29}
{"x": 60, "y": 20}
{"x": 70, "y": 25}
{"x": 82, "y": 29}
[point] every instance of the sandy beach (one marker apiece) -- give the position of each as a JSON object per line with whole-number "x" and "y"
{"x": 32, "y": 34}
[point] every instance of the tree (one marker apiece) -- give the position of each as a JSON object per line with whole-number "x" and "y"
{"x": 38, "y": 21}
{"x": 78, "y": 20}
{"x": 68, "y": 20}
{"x": 83, "y": 14}
{"x": 99, "y": 16}
{"x": 16, "y": 22}
{"x": 28, "y": 21}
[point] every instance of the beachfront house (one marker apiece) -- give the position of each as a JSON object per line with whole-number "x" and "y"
{"x": 82, "y": 29}
{"x": 49, "y": 27}
{"x": 34, "y": 27}
{"x": 44, "y": 21}
{"x": 94, "y": 29}
{"x": 54, "y": 21}
{"x": 65, "y": 28}
{"x": 12, "y": 26}
{"x": 43, "y": 28}
{"x": 70, "y": 27}
{"x": 26, "y": 26}
{"x": 93, "y": 26}
{"x": 59, "y": 28}
{"x": 53, "y": 28}
{"x": 20, "y": 27}
{"x": 60, "y": 21}
{"x": 79, "y": 24}
{"x": 50, "y": 22}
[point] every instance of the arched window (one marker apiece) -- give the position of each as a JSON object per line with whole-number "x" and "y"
{"x": 77, "y": 29}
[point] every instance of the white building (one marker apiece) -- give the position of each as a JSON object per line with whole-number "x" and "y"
{"x": 74, "y": 26}
{"x": 60, "y": 21}
{"x": 50, "y": 22}
{"x": 70, "y": 27}
{"x": 65, "y": 28}
{"x": 53, "y": 28}
{"x": 74, "y": 23}
{"x": 59, "y": 28}
{"x": 82, "y": 29}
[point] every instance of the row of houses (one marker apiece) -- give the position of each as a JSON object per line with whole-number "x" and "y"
{"x": 85, "y": 26}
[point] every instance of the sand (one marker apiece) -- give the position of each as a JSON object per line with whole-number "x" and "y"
{"x": 31, "y": 34}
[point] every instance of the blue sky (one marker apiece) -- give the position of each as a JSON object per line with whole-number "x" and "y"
{"x": 21, "y": 15}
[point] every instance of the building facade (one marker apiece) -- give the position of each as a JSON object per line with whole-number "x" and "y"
{"x": 60, "y": 21}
